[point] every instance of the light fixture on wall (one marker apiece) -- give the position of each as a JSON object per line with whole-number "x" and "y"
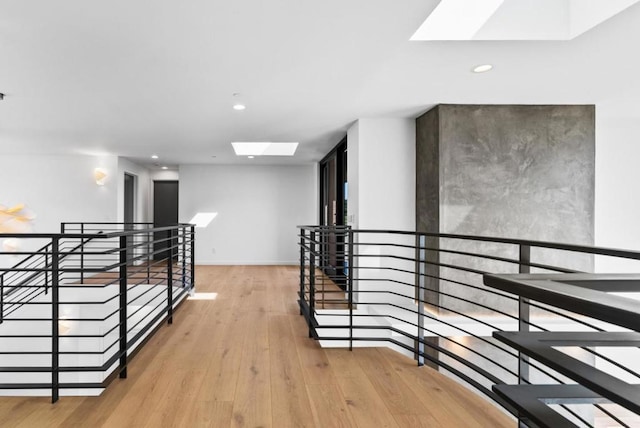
{"x": 483, "y": 68}
{"x": 1, "y": 96}
{"x": 100, "y": 175}
{"x": 237, "y": 105}
{"x": 16, "y": 219}
{"x": 10, "y": 245}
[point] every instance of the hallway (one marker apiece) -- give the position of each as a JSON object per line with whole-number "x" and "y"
{"x": 244, "y": 360}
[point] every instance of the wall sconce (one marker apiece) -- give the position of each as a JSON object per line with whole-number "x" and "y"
{"x": 100, "y": 175}
{"x": 10, "y": 245}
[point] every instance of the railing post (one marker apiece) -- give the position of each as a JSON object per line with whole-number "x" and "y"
{"x": 123, "y": 306}
{"x": 350, "y": 258}
{"x": 82, "y": 254}
{"x": 46, "y": 272}
{"x": 302, "y": 252}
{"x": 149, "y": 251}
{"x": 312, "y": 280}
{"x": 55, "y": 299}
{"x": 524, "y": 313}
{"x": 193, "y": 260}
{"x": 170, "y": 279}
{"x": 182, "y": 231}
{"x": 420, "y": 255}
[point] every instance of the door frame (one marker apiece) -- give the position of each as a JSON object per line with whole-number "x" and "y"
{"x": 336, "y": 272}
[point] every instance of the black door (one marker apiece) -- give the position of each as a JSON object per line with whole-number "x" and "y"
{"x": 165, "y": 213}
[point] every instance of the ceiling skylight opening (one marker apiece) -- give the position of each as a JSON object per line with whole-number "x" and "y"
{"x": 264, "y": 148}
{"x": 516, "y": 19}
{"x": 456, "y": 19}
{"x": 482, "y": 68}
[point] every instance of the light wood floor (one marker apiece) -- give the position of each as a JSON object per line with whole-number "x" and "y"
{"x": 244, "y": 360}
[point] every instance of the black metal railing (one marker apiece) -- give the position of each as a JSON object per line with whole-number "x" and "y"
{"x": 75, "y": 310}
{"x": 429, "y": 296}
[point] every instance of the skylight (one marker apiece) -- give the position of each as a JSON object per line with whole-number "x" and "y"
{"x": 264, "y": 148}
{"x": 516, "y": 19}
{"x": 456, "y": 19}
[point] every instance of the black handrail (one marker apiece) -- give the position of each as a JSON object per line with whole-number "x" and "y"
{"x": 145, "y": 296}
{"x": 601, "y": 251}
{"x": 43, "y": 271}
{"x": 406, "y": 305}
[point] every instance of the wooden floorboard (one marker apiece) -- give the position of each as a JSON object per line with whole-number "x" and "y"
{"x": 245, "y": 360}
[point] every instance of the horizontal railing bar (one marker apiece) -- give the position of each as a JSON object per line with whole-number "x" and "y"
{"x": 390, "y": 275}
{"x": 531, "y": 243}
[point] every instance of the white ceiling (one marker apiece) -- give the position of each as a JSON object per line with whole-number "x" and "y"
{"x": 138, "y": 77}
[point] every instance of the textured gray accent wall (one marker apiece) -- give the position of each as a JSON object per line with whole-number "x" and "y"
{"x": 428, "y": 193}
{"x": 428, "y": 171}
{"x": 516, "y": 171}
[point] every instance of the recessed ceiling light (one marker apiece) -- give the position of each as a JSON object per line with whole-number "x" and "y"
{"x": 251, "y": 157}
{"x": 165, "y": 167}
{"x": 239, "y": 107}
{"x": 154, "y": 156}
{"x": 482, "y": 68}
{"x": 264, "y": 148}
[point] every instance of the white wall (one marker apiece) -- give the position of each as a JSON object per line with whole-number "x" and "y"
{"x": 258, "y": 210}
{"x": 59, "y": 188}
{"x": 617, "y": 205}
{"x": 353, "y": 174}
{"x": 164, "y": 175}
{"x": 142, "y": 212}
{"x": 381, "y": 174}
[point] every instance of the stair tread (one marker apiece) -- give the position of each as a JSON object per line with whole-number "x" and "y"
{"x": 532, "y": 401}
{"x": 539, "y": 345}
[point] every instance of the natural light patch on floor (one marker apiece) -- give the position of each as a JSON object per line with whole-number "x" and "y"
{"x": 203, "y": 296}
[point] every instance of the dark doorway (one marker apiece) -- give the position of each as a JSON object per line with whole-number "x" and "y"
{"x": 129, "y": 211}
{"x": 129, "y": 198}
{"x": 333, "y": 211}
{"x": 165, "y": 213}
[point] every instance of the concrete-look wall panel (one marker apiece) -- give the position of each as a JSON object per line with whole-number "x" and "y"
{"x": 510, "y": 171}
{"x": 518, "y": 171}
{"x": 428, "y": 172}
